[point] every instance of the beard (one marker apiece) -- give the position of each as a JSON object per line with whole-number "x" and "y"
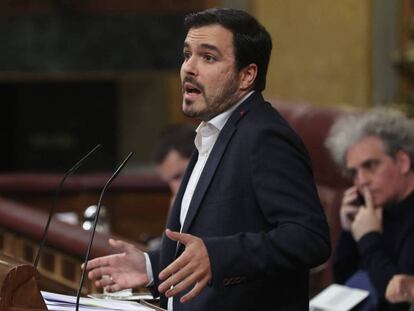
{"x": 208, "y": 106}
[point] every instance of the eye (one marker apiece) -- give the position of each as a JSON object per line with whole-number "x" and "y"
{"x": 210, "y": 58}
{"x": 186, "y": 55}
{"x": 372, "y": 165}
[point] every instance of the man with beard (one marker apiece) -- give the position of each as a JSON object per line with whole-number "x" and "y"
{"x": 377, "y": 212}
{"x": 247, "y": 224}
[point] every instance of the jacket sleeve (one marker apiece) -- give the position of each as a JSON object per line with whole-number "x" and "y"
{"x": 346, "y": 258}
{"x": 154, "y": 257}
{"x": 282, "y": 181}
{"x": 381, "y": 267}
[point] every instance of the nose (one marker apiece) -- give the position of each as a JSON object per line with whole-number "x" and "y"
{"x": 189, "y": 66}
{"x": 362, "y": 178}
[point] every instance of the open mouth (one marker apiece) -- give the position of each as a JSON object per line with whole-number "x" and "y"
{"x": 191, "y": 89}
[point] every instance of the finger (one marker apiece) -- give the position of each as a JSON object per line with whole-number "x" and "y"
{"x": 172, "y": 235}
{"x": 120, "y": 245}
{"x": 97, "y": 262}
{"x": 198, "y": 287}
{"x": 350, "y": 196}
{"x": 185, "y": 283}
{"x": 113, "y": 288}
{"x": 369, "y": 204}
{"x": 105, "y": 281}
{"x": 350, "y": 191}
{"x": 174, "y": 267}
{"x": 350, "y": 209}
{"x": 100, "y": 272}
{"x": 174, "y": 279}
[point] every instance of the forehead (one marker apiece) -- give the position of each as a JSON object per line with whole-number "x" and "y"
{"x": 214, "y": 35}
{"x": 368, "y": 148}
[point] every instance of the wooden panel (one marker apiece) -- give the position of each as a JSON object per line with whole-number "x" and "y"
{"x": 137, "y": 205}
{"x": 20, "y": 230}
{"x": 53, "y": 276}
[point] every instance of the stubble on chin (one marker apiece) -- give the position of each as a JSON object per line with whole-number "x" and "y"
{"x": 186, "y": 108}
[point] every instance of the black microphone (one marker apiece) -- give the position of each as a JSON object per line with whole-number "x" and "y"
{"x": 57, "y": 193}
{"x": 98, "y": 209}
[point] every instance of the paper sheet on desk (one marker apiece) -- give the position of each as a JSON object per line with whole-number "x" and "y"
{"x": 59, "y": 302}
{"x": 337, "y": 298}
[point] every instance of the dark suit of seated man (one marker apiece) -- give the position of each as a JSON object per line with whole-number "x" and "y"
{"x": 377, "y": 212}
{"x": 247, "y": 224}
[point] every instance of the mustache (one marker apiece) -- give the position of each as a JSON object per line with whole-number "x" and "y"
{"x": 193, "y": 81}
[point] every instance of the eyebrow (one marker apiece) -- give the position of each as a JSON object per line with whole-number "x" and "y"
{"x": 370, "y": 162}
{"x": 364, "y": 164}
{"x": 206, "y": 46}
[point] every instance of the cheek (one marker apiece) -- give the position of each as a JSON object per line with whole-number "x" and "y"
{"x": 222, "y": 79}
{"x": 388, "y": 185}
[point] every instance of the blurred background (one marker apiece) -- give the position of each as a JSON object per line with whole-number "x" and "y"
{"x": 81, "y": 72}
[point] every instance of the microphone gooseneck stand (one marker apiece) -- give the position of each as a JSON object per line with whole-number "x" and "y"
{"x": 110, "y": 180}
{"x": 56, "y": 199}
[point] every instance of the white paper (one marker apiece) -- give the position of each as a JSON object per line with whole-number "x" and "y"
{"x": 61, "y": 302}
{"x": 132, "y": 296}
{"x": 337, "y": 298}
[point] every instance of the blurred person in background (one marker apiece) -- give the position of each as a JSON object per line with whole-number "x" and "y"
{"x": 172, "y": 154}
{"x": 376, "y": 149}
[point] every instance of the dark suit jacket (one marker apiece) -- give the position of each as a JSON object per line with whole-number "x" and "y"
{"x": 257, "y": 210}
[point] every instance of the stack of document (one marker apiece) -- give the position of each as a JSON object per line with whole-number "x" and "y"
{"x": 59, "y": 302}
{"x": 337, "y": 298}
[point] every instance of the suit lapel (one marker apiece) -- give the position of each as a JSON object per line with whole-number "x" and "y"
{"x": 214, "y": 159}
{"x": 173, "y": 222}
{"x": 169, "y": 247}
{"x": 208, "y": 173}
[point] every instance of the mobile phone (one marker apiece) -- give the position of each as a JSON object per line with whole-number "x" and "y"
{"x": 359, "y": 200}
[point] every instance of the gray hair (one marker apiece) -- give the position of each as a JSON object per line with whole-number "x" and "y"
{"x": 393, "y": 128}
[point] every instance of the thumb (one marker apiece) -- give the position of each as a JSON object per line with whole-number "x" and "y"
{"x": 119, "y": 245}
{"x": 183, "y": 238}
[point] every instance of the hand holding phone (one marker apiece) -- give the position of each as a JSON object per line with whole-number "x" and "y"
{"x": 360, "y": 200}
{"x": 351, "y": 202}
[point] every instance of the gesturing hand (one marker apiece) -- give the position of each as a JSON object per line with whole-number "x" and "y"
{"x": 125, "y": 270}
{"x": 191, "y": 268}
{"x": 400, "y": 289}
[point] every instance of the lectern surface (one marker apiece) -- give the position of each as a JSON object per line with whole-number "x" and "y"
{"x": 18, "y": 286}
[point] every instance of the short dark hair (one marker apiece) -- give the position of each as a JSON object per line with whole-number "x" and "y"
{"x": 179, "y": 137}
{"x": 252, "y": 43}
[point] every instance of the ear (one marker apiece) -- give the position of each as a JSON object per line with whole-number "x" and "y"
{"x": 247, "y": 76}
{"x": 403, "y": 161}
